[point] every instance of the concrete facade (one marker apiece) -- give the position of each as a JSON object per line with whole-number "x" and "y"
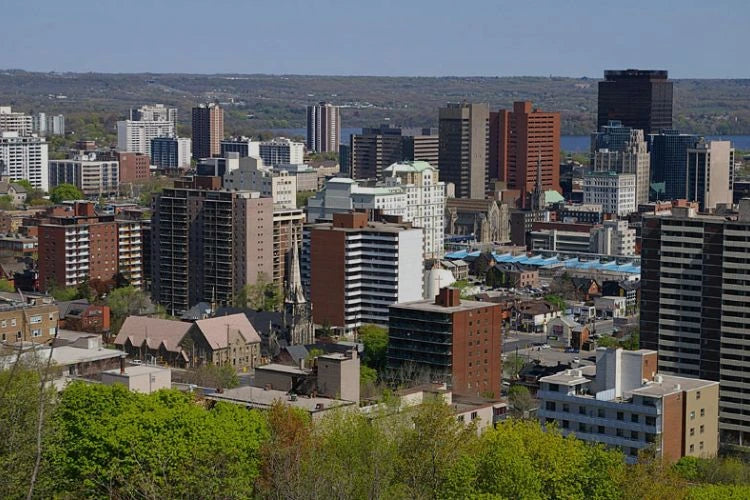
{"x": 464, "y": 148}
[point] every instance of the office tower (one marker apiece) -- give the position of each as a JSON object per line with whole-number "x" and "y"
{"x": 669, "y": 164}
{"x": 614, "y": 192}
{"x": 620, "y": 149}
{"x": 208, "y": 130}
{"x": 24, "y": 158}
{"x": 463, "y": 148}
{"x": 694, "y": 305}
{"x": 323, "y": 128}
{"x": 641, "y": 99}
{"x": 518, "y": 139}
{"x": 345, "y": 292}
{"x": 614, "y": 237}
{"x": 171, "y": 152}
{"x": 207, "y": 245}
{"x": 13, "y": 121}
{"x": 345, "y": 159}
{"x": 134, "y": 167}
{"x": 377, "y": 148}
{"x": 710, "y": 173}
{"x": 155, "y": 113}
{"x": 634, "y": 408}
{"x": 94, "y": 177}
{"x": 458, "y": 342}
{"x": 411, "y": 190}
{"x": 136, "y": 136}
{"x": 76, "y": 244}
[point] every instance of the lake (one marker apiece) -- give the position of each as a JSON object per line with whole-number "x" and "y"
{"x": 572, "y": 143}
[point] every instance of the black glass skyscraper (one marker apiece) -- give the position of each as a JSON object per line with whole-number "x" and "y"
{"x": 669, "y": 164}
{"x": 640, "y": 99}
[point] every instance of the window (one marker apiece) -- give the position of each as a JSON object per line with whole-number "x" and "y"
{"x": 700, "y": 445}
{"x": 13, "y": 322}
{"x": 35, "y": 319}
{"x": 566, "y": 407}
{"x": 692, "y": 415}
{"x": 634, "y": 435}
{"x": 582, "y": 410}
{"x": 565, "y": 424}
{"x": 634, "y": 418}
{"x": 550, "y": 406}
{"x": 600, "y": 413}
{"x": 602, "y": 430}
{"x": 553, "y": 387}
{"x": 702, "y": 428}
{"x": 619, "y": 433}
{"x": 460, "y": 418}
{"x": 697, "y": 394}
{"x": 52, "y": 331}
{"x": 620, "y": 415}
{"x": 4, "y": 323}
{"x": 692, "y": 448}
{"x": 703, "y": 412}
{"x": 36, "y": 332}
{"x": 692, "y": 431}
{"x": 473, "y": 415}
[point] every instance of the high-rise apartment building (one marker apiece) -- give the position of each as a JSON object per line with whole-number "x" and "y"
{"x": 458, "y": 342}
{"x": 94, "y": 177}
{"x": 45, "y": 125}
{"x": 464, "y": 148}
{"x": 358, "y": 268}
{"x": 695, "y": 303}
{"x": 250, "y": 174}
{"x": 207, "y": 245}
{"x": 323, "y": 128}
{"x": 668, "y": 151}
{"x": 519, "y": 140}
{"x": 75, "y": 244}
{"x": 620, "y": 149}
{"x": 155, "y": 113}
{"x": 641, "y": 99}
{"x": 375, "y": 149}
{"x": 208, "y": 130}
{"x": 13, "y": 121}
{"x": 710, "y": 173}
{"x": 171, "y": 152}
{"x": 24, "y": 158}
{"x": 410, "y": 190}
{"x": 135, "y": 136}
{"x": 614, "y": 192}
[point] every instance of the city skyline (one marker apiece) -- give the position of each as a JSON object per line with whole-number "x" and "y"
{"x": 482, "y": 39}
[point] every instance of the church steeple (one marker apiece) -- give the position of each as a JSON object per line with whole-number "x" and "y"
{"x": 293, "y": 293}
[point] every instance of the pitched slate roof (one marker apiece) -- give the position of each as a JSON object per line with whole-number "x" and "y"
{"x": 214, "y": 330}
{"x": 153, "y": 331}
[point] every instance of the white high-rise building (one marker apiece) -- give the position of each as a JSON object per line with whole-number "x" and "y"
{"x": 281, "y": 151}
{"x": 44, "y": 124}
{"x": 614, "y": 192}
{"x": 136, "y": 136}
{"x": 614, "y": 237}
{"x": 154, "y": 113}
{"x": 92, "y": 176}
{"x": 410, "y": 189}
{"x": 24, "y": 158}
{"x": 11, "y": 121}
{"x": 323, "y": 128}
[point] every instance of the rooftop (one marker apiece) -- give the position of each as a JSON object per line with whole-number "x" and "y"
{"x": 566, "y": 377}
{"x": 261, "y": 398}
{"x": 135, "y": 370}
{"x": 429, "y": 305}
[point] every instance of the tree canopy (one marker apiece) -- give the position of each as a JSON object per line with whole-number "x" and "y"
{"x": 65, "y": 192}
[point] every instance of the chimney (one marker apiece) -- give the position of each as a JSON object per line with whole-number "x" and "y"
{"x": 448, "y": 297}
{"x": 301, "y": 363}
{"x": 122, "y": 365}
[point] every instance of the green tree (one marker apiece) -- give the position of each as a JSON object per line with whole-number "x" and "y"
{"x": 513, "y": 365}
{"x": 65, "y": 192}
{"x": 109, "y": 442}
{"x": 607, "y": 341}
{"x": 375, "y": 340}
{"x": 6, "y": 202}
{"x": 209, "y": 375}
{"x": 556, "y": 301}
{"x": 62, "y": 294}
{"x": 521, "y": 400}
{"x": 303, "y": 196}
{"x": 6, "y": 286}
{"x": 19, "y": 413}
{"x": 264, "y": 295}
{"x": 124, "y": 302}
{"x": 632, "y": 343}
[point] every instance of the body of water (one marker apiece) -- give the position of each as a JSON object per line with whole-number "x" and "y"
{"x": 571, "y": 143}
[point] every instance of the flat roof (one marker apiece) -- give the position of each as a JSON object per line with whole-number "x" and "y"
{"x": 566, "y": 377}
{"x": 671, "y": 384}
{"x": 278, "y": 367}
{"x": 264, "y": 398}
{"x": 135, "y": 370}
{"x": 429, "y": 305}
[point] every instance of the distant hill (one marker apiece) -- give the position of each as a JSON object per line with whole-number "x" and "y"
{"x": 260, "y": 102}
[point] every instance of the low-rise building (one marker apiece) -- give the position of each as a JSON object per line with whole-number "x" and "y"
{"x": 139, "y": 378}
{"x": 611, "y": 307}
{"x": 628, "y": 406}
{"x": 511, "y": 275}
{"x": 533, "y": 315}
{"x": 94, "y": 177}
{"x": 17, "y": 245}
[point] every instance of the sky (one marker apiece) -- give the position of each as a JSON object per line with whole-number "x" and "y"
{"x": 691, "y": 39}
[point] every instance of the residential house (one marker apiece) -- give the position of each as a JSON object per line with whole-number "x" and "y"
{"x": 533, "y": 315}
{"x": 560, "y": 331}
{"x": 586, "y": 288}
{"x": 511, "y": 275}
{"x": 630, "y": 289}
{"x": 81, "y": 316}
{"x": 611, "y": 307}
{"x": 16, "y": 193}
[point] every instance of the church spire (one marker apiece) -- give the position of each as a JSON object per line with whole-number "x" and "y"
{"x": 293, "y": 293}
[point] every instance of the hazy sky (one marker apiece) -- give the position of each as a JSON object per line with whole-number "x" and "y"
{"x": 691, "y": 39}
